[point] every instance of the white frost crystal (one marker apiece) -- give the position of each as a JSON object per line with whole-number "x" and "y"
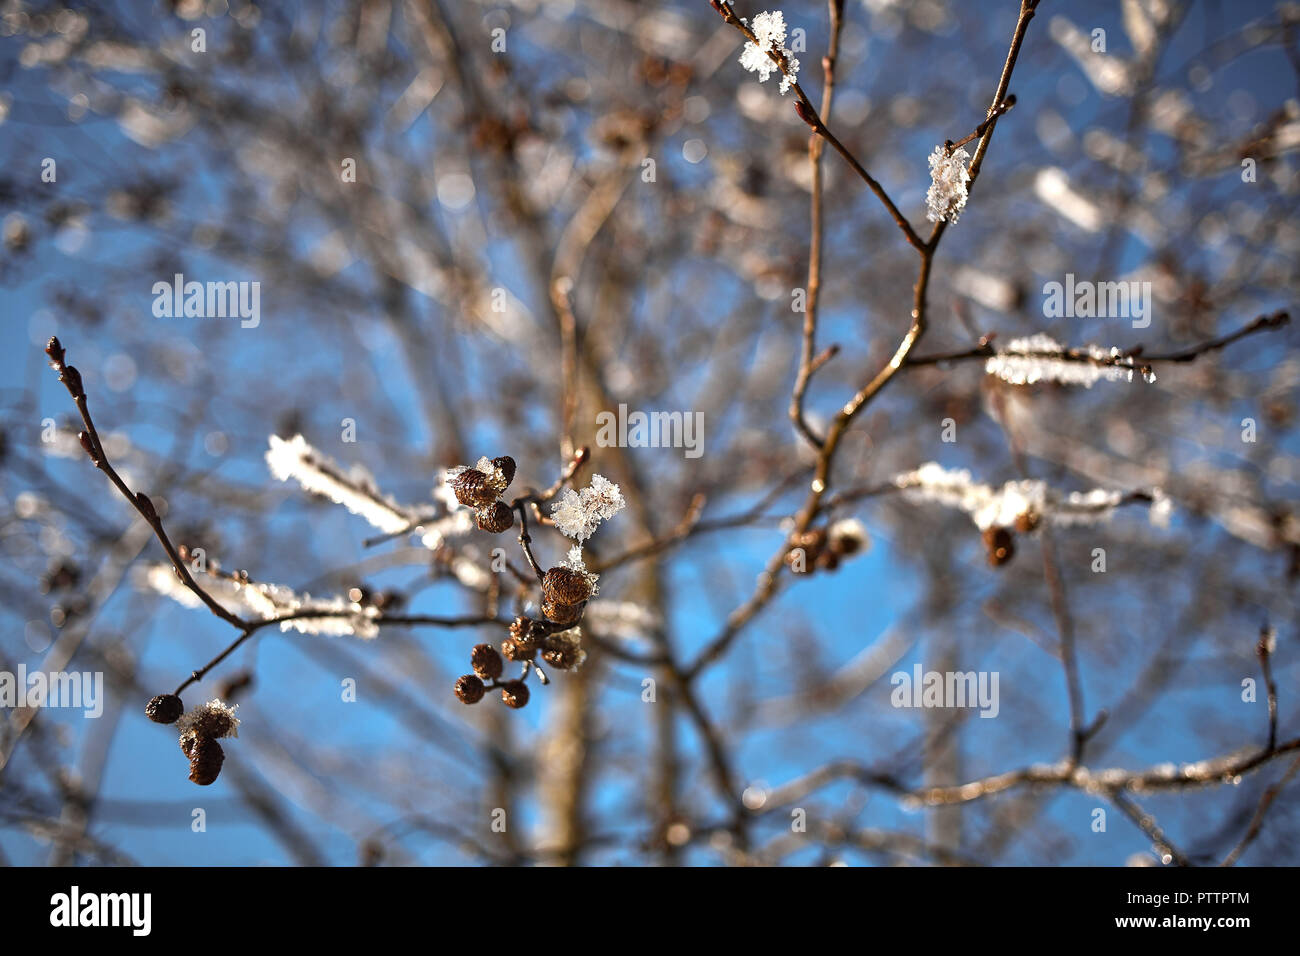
{"x": 578, "y": 514}
{"x": 848, "y": 535}
{"x": 1040, "y": 358}
{"x": 991, "y": 507}
{"x": 353, "y": 490}
{"x": 339, "y": 616}
{"x": 215, "y": 715}
{"x": 769, "y": 31}
{"x": 949, "y": 183}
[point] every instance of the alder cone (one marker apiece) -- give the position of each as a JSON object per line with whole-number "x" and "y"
{"x": 514, "y": 693}
{"x": 810, "y": 540}
{"x": 213, "y": 723}
{"x": 206, "y": 758}
{"x": 1027, "y": 521}
{"x": 506, "y": 464}
{"x": 561, "y": 656}
{"x": 526, "y": 631}
{"x": 518, "y": 651}
{"x": 164, "y": 709}
{"x": 472, "y": 488}
{"x": 524, "y": 640}
{"x": 563, "y": 614}
{"x": 565, "y": 586}
{"x": 1001, "y": 546}
{"x": 486, "y": 661}
{"x": 495, "y": 518}
{"x": 469, "y": 689}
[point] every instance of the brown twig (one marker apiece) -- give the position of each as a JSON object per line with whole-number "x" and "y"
{"x": 809, "y": 114}
{"x": 986, "y": 348}
{"x": 71, "y": 379}
{"x": 1217, "y": 770}
{"x": 808, "y": 363}
{"x": 1264, "y": 651}
{"x": 1257, "y": 820}
{"x": 525, "y": 541}
{"x": 1148, "y": 825}
{"x": 770, "y": 578}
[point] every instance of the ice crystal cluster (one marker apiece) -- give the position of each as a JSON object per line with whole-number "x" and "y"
{"x": 577, "y": 514}
{"x": 949, "y": 183}
{"x": 213, "y": 719}
{"x": 1040, "y": 358}
{"x": 769, "y": 31}
{"x": 991, "y": 507}
{"x": 848, "y": 535}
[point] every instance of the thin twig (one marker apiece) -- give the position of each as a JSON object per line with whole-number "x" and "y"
{"x": 71, "y": 379}
{"x": 813, "y": 118}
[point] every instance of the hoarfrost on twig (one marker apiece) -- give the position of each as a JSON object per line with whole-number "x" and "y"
{"x": 1040, "y": 358}
{"x": 769, "y": 31}
{"x": 991, "y": 507}
{"x": 339, "y": 616}
{"x": 949, "y": 184}
{"x": 355, "y": 490}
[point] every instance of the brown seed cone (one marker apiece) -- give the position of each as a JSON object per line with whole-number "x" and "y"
{"x": 526, "y": 631}
{"x": 800, "y": 558}
{"x": 514, "y": 693}
{"x": 827, "y": 561}
{"x": 472, "y": 488}
{"x": 206, "y": 758}
{"x": 810, "y": 540}
{"x": 486, "y": 661}
{"x": 1001, "y": 546}
{"x": 507, "y": 466}
{"x": 563, "y": 614}
{"x": 495, "y": 518}
{"x": 469, "y": 689}
{"x": 518, "y": 651}
{"x": 845, "y": 545}
{"x": 212, "y": 723}
{"x": 187, "y": 742}
{"x": 164, "y": 709}
{"x": 1027, "y": 521}
{"x": 525, "y": 639}
{"x": 561, "y": 656}
{"x": 565, "y": 586}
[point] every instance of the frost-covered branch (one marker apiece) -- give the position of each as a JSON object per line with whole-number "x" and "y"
{"x": 272, "y": 603}
{"x": 1040, "y": 358}
{"x": 1125, "y": 360}
{"x": 1022, "y": 504}
{"x": 355, "y": 489}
